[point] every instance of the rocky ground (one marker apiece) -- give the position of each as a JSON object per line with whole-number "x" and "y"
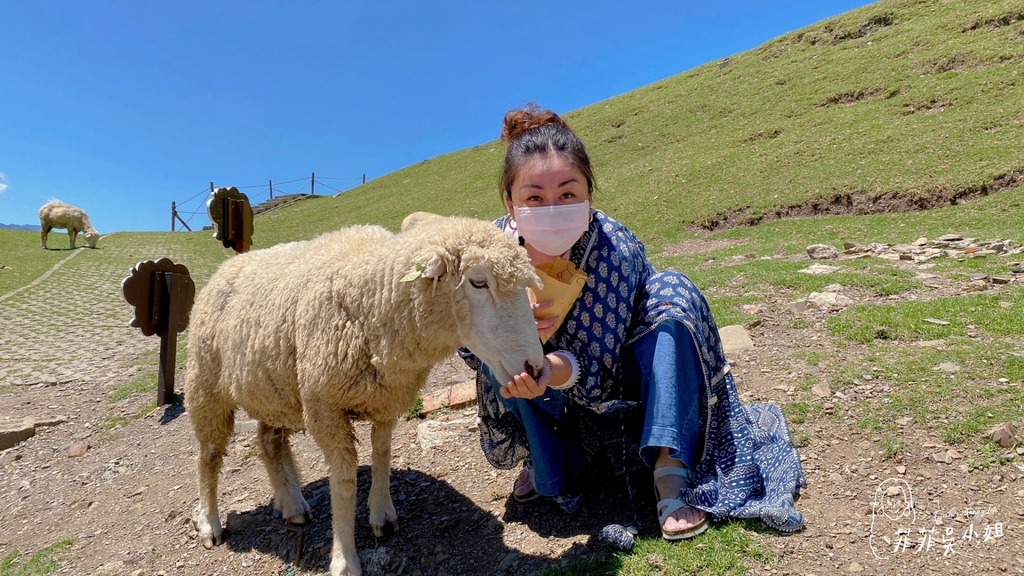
{"x": 119, "y": 480}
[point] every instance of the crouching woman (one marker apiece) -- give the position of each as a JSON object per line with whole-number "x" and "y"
{"x": 635, "y": 380}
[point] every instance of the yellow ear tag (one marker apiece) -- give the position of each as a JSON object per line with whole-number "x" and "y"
{"x": 413, "y": 274}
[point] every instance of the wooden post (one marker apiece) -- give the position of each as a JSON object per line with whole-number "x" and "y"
{"x": 211, "y": 187}
{"x": 171, "y": 306}
{"x": 174, "y": 213}
{"x": 364, "y": 177}
{"x": 271, "y": 184}
{"x": 161, "y": 293}
{"x": 312, "y": 183}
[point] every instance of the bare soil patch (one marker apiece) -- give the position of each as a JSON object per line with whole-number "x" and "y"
{"x": 128, "y": 501}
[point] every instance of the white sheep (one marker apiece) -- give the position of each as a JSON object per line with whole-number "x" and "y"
{"x": 310, "y": 335}
{"x": 56, "y": 214}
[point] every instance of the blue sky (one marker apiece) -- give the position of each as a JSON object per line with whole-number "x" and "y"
{"x": 123, "y": 107}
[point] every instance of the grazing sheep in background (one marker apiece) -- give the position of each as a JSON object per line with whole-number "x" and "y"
{"x": 415, "y": 218}
{"x": 311, "y": 335}
{"x": 60, "y": 215}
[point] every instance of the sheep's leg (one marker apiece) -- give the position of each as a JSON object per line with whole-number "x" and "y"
{"x": 332, "y": 431}
{"x": 382, "y": 509}
{"x": 214, "y": 426}
{"x": 71, "y": 234}
{"x": 44, "y": 231}
{"x": 276, "y": 453}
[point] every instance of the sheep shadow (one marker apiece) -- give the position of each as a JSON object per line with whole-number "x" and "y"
{"x": 440, "y": 531}
{"x": 607, "y": 500}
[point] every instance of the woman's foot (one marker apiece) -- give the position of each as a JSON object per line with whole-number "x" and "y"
{"x": 523, "y": 489}
{"x": 678, "y": 520}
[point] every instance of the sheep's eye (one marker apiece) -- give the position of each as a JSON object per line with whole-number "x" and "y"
{"x": 478, "y": 283}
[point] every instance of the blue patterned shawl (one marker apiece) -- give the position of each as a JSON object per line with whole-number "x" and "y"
{"x": 749, "y": 467}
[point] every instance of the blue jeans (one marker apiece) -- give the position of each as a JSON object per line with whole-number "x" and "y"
{"x": 665, "y": 365}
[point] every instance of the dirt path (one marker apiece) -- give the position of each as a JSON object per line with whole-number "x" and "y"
{"x": 127, "y": 502}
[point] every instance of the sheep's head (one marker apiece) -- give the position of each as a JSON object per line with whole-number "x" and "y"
{"x": 487, "y": 273}
{"x": 91, "y": 238}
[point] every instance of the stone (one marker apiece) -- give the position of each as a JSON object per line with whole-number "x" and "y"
{"x": 433, "y": 433}
{"x": 454, "y": 396}
{"x": 821, "y": 390}
{"x": 78, "y": 450}
{"x": 1005, "y": 434}
{"x": 822, "y": 252}
{"x": 735, "y": 339}
{"x": 819, "y": 269}
{"x": 15, "y": 430}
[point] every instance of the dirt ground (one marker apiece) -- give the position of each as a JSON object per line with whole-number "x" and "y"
{"x": 127, "y": 501}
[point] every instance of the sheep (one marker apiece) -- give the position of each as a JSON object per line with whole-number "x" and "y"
{"x": 415, "y": 218}
{"x": 56, "y": 214}
{"x": 310, "y": 335}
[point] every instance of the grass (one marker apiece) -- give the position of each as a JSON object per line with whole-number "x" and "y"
{"x": 723, "y": 549}
{"x": 41, "y": 563}
{"x": 19, "y": 267}
{"x": 144, "y": 383}
{"x": 112, "y": 422}
{"x": 415, "y": 410}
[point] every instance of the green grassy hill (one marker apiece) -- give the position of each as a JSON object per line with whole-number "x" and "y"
{"x": 902, "y": 103}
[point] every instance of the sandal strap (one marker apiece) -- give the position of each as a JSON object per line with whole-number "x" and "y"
{"x": 668, "y": 506}
{"x": 674, "y": 471}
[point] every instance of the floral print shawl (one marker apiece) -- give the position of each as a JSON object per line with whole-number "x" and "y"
{"x": 749, "y": 467}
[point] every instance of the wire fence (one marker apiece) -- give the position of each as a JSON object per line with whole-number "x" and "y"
{"x": 185, "y": 212}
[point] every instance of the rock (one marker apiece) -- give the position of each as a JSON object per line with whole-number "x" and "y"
{"x": 734, "y": 339}
{"x": 828, "y": 301}
{"x": 13, "y": 431}
{"x": 821, "y": 390}
{"x": 455, "y": 396}
{"x": 433, "y": 433}
{"x": 818, "y": 269}
{"x": 822, "y": 252}
{"x": 901, "y": 469}
{"x": 1006, "y": 434}
{"x": 77, "y": 450}
{"x": 936, "y": 321}
{"x": 855, "y": 567}
{"x": 948, "y": 367}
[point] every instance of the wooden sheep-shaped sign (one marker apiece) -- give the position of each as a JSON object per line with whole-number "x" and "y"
{"x": 231, "y": 215}
{"x": 162, "y": 293}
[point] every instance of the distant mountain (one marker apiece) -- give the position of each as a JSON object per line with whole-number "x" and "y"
{"x": 29, "y": 227}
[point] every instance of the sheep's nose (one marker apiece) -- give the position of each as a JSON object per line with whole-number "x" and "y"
{"x": 529, "y": 369}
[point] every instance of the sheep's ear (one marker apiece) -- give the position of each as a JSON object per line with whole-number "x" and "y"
{"x": 436, "y": 267}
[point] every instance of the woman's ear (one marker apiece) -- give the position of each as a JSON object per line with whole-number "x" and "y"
{"x": 510, "y": 207}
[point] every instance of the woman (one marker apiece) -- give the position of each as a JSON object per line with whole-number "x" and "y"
{"x": 635, "y": 378}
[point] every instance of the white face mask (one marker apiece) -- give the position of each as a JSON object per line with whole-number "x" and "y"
{"x": 552, "y": 229}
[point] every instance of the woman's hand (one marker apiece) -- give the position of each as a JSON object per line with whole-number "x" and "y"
{"x": 544, "y": 325}
{"x": 525, "y": 386}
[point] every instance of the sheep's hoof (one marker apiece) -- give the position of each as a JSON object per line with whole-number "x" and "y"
{"x": 301, "y": 518}
{"x": 386, "y": 530}
{"x": 212, "y": 540}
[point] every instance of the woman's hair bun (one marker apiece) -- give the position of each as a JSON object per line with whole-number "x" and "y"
{"x": 527, "y": 118}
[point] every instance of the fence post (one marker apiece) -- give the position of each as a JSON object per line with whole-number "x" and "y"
{"x": 312, "y": 183}
{"x": 364, "y": 177}
{"x": 174, "y": 214}
{"x": 271, "y": 184}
